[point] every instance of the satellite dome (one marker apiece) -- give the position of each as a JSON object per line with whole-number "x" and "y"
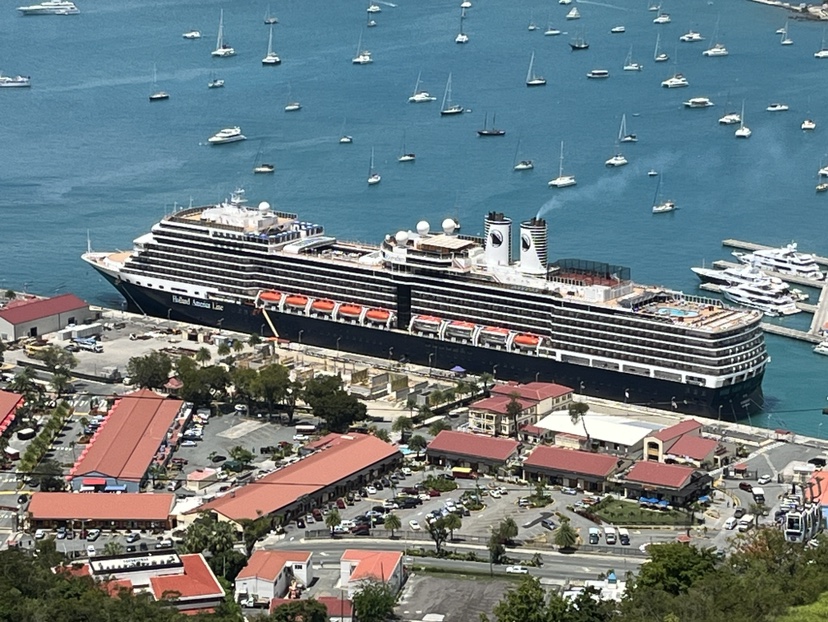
{"x": 264, "y": 206}
{"x": 423, "y": 227}
{"x": 401, "y": 237}
{"x": 449, "y": 226}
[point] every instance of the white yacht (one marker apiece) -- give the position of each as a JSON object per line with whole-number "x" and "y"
{"x": 374, "y": 8}
{"x": 616, "y": 160}
{"x": 785, "y": 260}
{"x": 532, "y": 79}
{"x": 227, "y": 135}
{"x": 420, "y": 97}
{"x": 757, "y": 295}
{"x": 777, "y": 107}
{"x": 192, "y": 34}
{"x": 808, "y": 125}
{"x": 15, "y": 81}
{"x": 598, "y": 74}
{"x": 630, "y": 64}
{"x": 564, "y": 1}
{"x": 363, "y": 57}
{"x": 821, "y": 348}
{"x": 293, "y": 107}
{"x": 698, "y": 102}
{"x": 465, "y": 4}
{"x": 731, "y": 118}
{"x": 551, "y": 31}
{"x": 50, "y": 7}
{"x": 675, "y": 81}
{"x": 617, "y": 30}
{"x": 743, "y": 131}
{"x": 271, "y": 58}
{"x": 747, "y": 275}
{"x": 215, "y": 83}
{"x": 659, "y": 206}
{"x": 373, "y": 177}
{"x": 574, "y": 13}
{"x": 662, "y": 18}
{"x": 717, "y": 49}
{"x": 223, "y": 49}
{"x": 691, "y": 37}
{"x": 562, "y": 181}
{"x": 822, "y": 53}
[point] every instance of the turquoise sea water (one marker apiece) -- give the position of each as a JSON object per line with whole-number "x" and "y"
{"x": 84, "y": 150}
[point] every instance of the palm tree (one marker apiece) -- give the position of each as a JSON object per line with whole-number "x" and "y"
{"x": 417, "y": 443}
{"x": 513, "y": 410}
{"x": 452, "y": 522}
{"x": 332, "y": 519}
{"x": 403, "y": 425}
{"x": 238, "y": 345}
{"x": 565, "y": 537}
{"x": 577, "y": 411}
{"x": 203, "y": 355}
{"x": 223, "y": 349}
{"x": 392, "y": 523}
{"x": 113, "y": 547}
{"x": 10, "y": 295}
{"x": 254, "y": 339}
{"x": 59, "y": 383}
{"x": 438, "y": 426}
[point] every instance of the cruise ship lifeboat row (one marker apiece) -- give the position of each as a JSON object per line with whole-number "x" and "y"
{"x": 323, "y": 306}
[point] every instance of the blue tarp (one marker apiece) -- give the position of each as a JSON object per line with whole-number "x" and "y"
{"x": 704, "y": 499}
{"x": 643, "y": 500}
{"x": 115, "y": 488}
{"x": 664, "y": 503}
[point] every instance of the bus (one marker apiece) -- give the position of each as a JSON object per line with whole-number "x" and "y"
{"x": 462, "y": 473}
{"x": 305, "y": 428}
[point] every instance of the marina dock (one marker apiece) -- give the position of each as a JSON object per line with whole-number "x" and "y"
{"x": 752, "y": 246}
{"x": 793, "y": 333}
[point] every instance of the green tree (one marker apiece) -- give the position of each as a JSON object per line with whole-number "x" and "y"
{"x": 577, "y": 412}
{"x": 51, "y": 476}
{"x": 513, "y": 410}
{"x": 223, "y": 349}
{"x": 497, "y": 550}
{"x": 392, "y": 523}
{"x": 334, "y": 405}
{"x": 273, "y": 384}
{"x": 565, "y": 537}
{"x": 439, "y": 533}
{"x": 382, "y": 434}
{"x": 332, "y": 519}
{"x": 508, "y": 529}
{"x": 245, "y": 382}
{"x": 374, "y": 602}
{"x": 304, "y": 610}
{"x": 417, "y": 443}
{"x": 60, "y": 382}
{"x": 240, "y": 454}
{"x": 203, "y": 355}
{"x": 254, "y": 340}
{"x": 10, "y": 295}
{"x": 151, "y": 371}
{"x": 452, "y": 522}
{"x": 113, "y": 547}
{"x": 56, "y": 359}
{"x": 238, "y": 346}
{"x": 438, "y": 426}
{"x": 208, "y": 533}
{"x": 528, "y": 602}
{"x": 674, "y": 567}
{"x": 403, "y": 425}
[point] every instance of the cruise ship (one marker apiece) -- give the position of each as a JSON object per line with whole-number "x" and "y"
{"x": 446, "y": 300}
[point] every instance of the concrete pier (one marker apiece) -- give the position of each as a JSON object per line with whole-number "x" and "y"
{"x": 784, "y": 331}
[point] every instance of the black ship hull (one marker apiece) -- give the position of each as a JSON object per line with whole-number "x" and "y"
{"x": 728, "y": 403}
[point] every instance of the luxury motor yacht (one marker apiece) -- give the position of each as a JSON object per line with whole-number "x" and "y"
{"x": 768, "y": 299}
{"x": 50, "y": 7}
{"x": 227, "y": 135}
{"x": 15, "y": 81}
{"x": 698, "y": 102}
{"x": 675, "y": 81}
{"x": 745, "y": 275}
{"x": 785, "y": 260}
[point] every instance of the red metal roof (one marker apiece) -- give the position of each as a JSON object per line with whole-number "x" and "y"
{"x": 9, "y": 403}
{"x": 130, "y": 436}
{"x": 376, "y": 565}
{"x": 679, "y": 429}
{"x": 572, "y": 461}
{"x": 41, "y": 308}
{"x": 692, "y": 446}
{"x": 535, "y": 391}
{"x": 659, "y": 474}
{"x": 338, "y": 456}
{"x": 101, "y": 506}
{"x": 499, "y": 403}
{"x": 267, "y": 564}
{"x": 197, "y": 580}
{"x": 337, "y": 607}
{"x": 473, "y": 445}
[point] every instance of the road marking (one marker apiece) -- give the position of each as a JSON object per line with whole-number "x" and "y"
{"x": 242, "y": 429}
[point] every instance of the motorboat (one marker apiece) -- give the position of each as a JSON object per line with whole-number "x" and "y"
{"x": 698, "y": 102}
{"x": 293, "y": 107}
{"x": 822, "y": 187}
{"x": 821, "y": 348}
{"x": 345, "y": 139}
{"x": 419, "y": 96}
{"x": 617, "y": 30}
{"x": 741, "y": 275}
{"x": 662, "y": 18}
{"x": 562, "y": 181}
{"x": 192, "y": 34}
{"x": 215, "y": 83}
{"x": 675, "y": 81}
{"x": 823, "y": 53}
{"x": 731, "y": 118}
{"x": 271, "y": 58}
{"x": 264, "y": 169}
{"x": 785, "y": 260}
{"x": 777, "y": 107}
{"x": 616, "y": 160}
{"x": 374, "y": 8}
{"x": 808, "y": 125}
{"x": 223, "y": 49}
{"x": 50, "y": 7}
{"x": 691, "y": 37}
{"x": 652, "y": 173}
{"x": 564, "y": 1}
{"x": 598, "y": 74}
{"x": 227, "y": 135}
{"x": 757, "y": 295}
{"x": 823, "y": 172}
{"x": 574, "y": 13}
{"x": 15, "y": 81}
{"x": 717, "y": 49}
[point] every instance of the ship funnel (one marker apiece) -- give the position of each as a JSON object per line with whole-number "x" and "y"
{"x": 533, "y": 247}
{"x": 498, "y": 231}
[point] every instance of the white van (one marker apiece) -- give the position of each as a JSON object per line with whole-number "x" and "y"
{"x": 731, "y": 523}
{"x": 624, "y": 536}
{"x": 746, "y": 522}
{"x": 609, "y": 535}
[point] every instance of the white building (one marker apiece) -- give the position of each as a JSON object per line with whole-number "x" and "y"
{"x": 608, "y": 433}
{"x": 272, "y": 574}
{"x": 358, "y": 566}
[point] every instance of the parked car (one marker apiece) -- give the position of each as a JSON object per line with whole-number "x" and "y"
{"x": 414, "y": 525}
{"x": 548, "y": 523}
{"x": 740, "y": 512}
{"x": 133, "y": 537}
{"x": 189, "y": 443}
{"x": 406, "y": 471}
{"x": 433, "y": 492}
{"x": 90, "y": 550}
{"x": 569, "y": 491}
{"x": 131, "y": 548}
{"x": 361, "y": 530}
{"x": 93, "y": 534}
{"x": 40, "y": 534}
{"x": 745, "y": 486}
{"x": 517, "y": 570}
{"x": 765, "y": 479}
{"x": 340, "y": 503}
{"x": 300, "y": 523}
{"x": 317, "y": 514}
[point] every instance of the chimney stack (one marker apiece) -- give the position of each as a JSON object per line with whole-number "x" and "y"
{"x": 498, "y": 231}
{"x": 533, "y": 246}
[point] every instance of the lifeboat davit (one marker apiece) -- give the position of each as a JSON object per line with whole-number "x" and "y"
{"x": 427, "y": 323}
{"x": 270, "y": 296}
{"x": 494, "y": 333}
{"x": 378, "y": 315}
{"x": 528, "y": 340}
{"x": 323, "y": 306}
{"x": 350, "y": 310}
{"x": 458, "y": 327}
{"x": 296, "y": 301}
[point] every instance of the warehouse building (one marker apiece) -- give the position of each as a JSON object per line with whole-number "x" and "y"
{"x": 34, "y": 317}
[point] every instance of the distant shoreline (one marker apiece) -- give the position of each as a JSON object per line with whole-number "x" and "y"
{"x": 814, "y": 12}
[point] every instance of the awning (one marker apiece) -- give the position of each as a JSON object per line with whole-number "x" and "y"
{"x": 458, "y": 370}
{"x": 94, "y": 481}
{"x": 115, "y": 488}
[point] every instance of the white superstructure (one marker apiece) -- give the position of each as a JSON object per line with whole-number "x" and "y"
{"x": 50, "y": 7}
{"x": 785, "y": 260}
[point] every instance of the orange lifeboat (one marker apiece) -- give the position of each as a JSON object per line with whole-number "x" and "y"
{"x": 462, "y": 325}
{"x": 378, "y": 315}
{"x": 428, "y": 319}
{"x": 296, "y": 301}
{"x": 323, "y": 306}
{"x": 496, "y": 330}
{"x": 527, "y": 339}
{"x": 271, "y": 296}
{"x": 350, "y": 310}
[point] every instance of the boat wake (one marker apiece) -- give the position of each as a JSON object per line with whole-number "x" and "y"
{"x": 604, "y": 4}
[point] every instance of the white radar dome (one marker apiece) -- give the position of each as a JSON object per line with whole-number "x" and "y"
{"x": 423, "y": 227}
{"x": 449, "y": 226}
{"x": 401, "y": 237}
{"x": 264, "y": 206}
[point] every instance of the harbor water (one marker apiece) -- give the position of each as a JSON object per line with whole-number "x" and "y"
{"x": 86, "y": 156}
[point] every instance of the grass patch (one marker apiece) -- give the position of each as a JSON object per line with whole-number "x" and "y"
{"x": 628, "y": 513}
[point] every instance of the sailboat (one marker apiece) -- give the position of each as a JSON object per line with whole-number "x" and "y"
{"x": 420, "y": 97}
{"x": 447, "y": 107}
{"x": 579, "y": 43}
{"x": 371, "y": 21}
{"x": 716, "y": 48}
{"x": 215, "y": 83}
{"x": 562, "y": 181}
{"x": 373, "y": 177}
{"x": 522, "y": 165}
{"x": 661, "y": 207}
{"x": 532, "y": 26}
{"x": 744, "y": 130}
{"x": 405, "y": 156}
{"x": 362, "y": 57}
{"x": 272, "y": 58}
{"x": 490, "y": 131}
{"x": 786, "y": 39}
{"x": 531, "y": 78}
{"x": 630, "y": 65}
{"x": 462, "y": 37}
{"x": 268, "y": 18}
{"x": 344, "y": 139}
{"x": 618, "y": 159}
{"x": 659, "y": 56}
{"x": 550, "y": 31}
{"x": 157, "y": 95}
{"x": 574, "y": 13}
{"x": 223, "y": 49}
{"x": 823, "y": 51}
{"x": 623, "y": 136}
{"x": 292, "y": 106}
{"x": 262, "y": 167}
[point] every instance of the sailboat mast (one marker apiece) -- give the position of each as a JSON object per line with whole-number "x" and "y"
{"x": 220, "y": 30}
{"x": 560, "y": 166}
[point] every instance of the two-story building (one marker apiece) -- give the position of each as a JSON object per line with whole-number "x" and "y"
{"x": 491, "y": 415}
{"x": 273, "y": 574}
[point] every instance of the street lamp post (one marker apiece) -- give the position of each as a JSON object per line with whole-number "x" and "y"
{"x": 300, "y": 336}
{"x": 430, "y": 357}
{"x": 390, "y": 353}
{"x": 819, "y": 430}
{"x": 720, "y": 412}
{"x": 336, "y": 363}
{"x": 261, "y": 330}
{"x": 494, "y": 371}
{"x": 219, "y": 321}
